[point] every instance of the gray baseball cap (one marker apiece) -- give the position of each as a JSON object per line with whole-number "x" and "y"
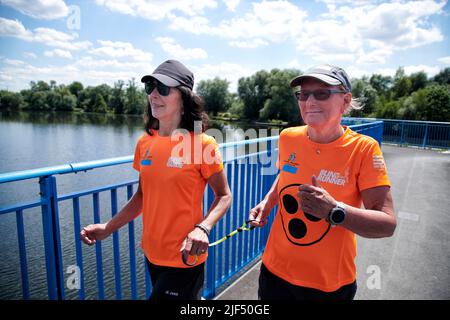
{"x": 326, "y": 73}
{"x": 172, "y": 73}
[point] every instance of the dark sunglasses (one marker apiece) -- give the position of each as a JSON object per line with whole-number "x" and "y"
{"x": 161, "y": 87}
{"x": 319, "y": 94}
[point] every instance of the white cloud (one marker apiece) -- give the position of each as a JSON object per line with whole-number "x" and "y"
{"x": 120, "y": 49}
{"x": 29, "y": 55}
{"x": 47, "y": 36}
{"x": 58, "y": 53}
{"x": 329, "y": 41}
{"x": 267, "y": 22}
{"x": 14, "y": 28}
{"x": 231, "y": 4}
{"x": 445, "y": 60}
{"x": 40, "y": 9}
{"x": 377, "y": 56}
{"x": 224, "y": 70}
{"x": 157, "y": 10}
{"x": 54, "y": 38}
{"x": 369, "y": 32}
{"x": 356, "y": 72}
{"x": 252, "y": 43}
{"x": 275, "y": 21}
{"x": 365, "y": 31}
{"x": 429, "y": 70}
{"x": 87, "y": 70}
{"x": 106, "y": 63}
{"x": 92, "y": 63}
{"x": 398, "y": 25}
{"x": 294, "y": 64}
{"x": 196, "y": 25}
{"x": 14, "y": 62}
{"x": 176, "y": 51}
{"x": 6, "y": 79}
{"x": 386, "y": 71}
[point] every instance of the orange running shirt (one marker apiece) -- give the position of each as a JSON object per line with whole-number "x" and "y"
{"x": 301, "y": 249}
{"x": 172, "y": 187}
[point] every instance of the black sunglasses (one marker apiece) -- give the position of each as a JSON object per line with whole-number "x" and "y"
{"x": 161, "y": 87}
{"x": 319, "y": 94}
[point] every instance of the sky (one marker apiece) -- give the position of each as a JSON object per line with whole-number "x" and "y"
{"x": 103, "y": 41}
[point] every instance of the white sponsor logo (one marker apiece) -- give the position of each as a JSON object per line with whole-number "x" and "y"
{"x": 332, "y": 177}
{"x": 175, "y": 162}
{"x": 171, "y": 293}
{"x": 378, "y": 162}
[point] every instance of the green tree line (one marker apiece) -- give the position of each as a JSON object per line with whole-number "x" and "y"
{"x": 263, "y": 96}
{"x": 120, "y": 99}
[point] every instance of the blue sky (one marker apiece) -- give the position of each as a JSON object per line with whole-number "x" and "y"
{"x": 102, "y": 41}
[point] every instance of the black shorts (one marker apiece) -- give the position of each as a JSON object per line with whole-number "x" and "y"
{"x": 169, "y": 283}
{"x": 272, "y": 287}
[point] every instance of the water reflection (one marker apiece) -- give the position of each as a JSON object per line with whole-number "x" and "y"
{"x": 115, "y": 120}
{"x": 74, "y": 118}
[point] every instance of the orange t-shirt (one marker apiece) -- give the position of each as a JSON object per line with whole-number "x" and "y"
{"x": 302, "y": 249}
{"x": 173, "y": 178}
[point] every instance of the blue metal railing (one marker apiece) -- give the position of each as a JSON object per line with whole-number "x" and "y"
{"x": 373, "y": 128}
{"x": 424, "y": 134}
{"x": 250, "y": 175}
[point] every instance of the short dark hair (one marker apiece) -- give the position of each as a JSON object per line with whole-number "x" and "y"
{"x": 193, "y": 111}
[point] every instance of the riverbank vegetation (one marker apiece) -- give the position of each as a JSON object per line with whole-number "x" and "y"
{"x": 262, "y": 97}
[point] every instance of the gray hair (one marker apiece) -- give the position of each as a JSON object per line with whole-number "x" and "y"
{"x": 355, "y": 104}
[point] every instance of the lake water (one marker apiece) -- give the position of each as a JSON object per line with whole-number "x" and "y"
{"x": 35, "y": 140}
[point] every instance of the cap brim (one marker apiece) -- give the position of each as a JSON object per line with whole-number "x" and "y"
{"x": 322, "y": 77}
{"x": 168, "y": 81}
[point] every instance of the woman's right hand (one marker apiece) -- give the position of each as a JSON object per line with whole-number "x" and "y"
{"x": 93, "y": 232}
{"x": 258, "y": 215}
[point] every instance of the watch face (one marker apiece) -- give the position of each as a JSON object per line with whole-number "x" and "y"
{"x": 338, "y": 216}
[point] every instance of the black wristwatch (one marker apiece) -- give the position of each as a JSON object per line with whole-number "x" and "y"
{"x": 337, "y": 214}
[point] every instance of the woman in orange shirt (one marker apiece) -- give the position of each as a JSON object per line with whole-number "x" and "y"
{"x": 327, "y": 171}
{"x": 175, "y": 160}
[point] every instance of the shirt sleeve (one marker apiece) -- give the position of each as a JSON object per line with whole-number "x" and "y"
{"x": 137, "y": 156}
{"x": 373, "y": 172}
{"x": 211, "y": 157}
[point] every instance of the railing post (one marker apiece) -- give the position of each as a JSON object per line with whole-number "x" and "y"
{"x": 380, "y": 129}
{"x": 211, "y": 261}
{"x": 424, "y": 144}
{"x": 52, "y": 242}
{"x": 267, "y": 185}
{"x": 401, "y": 134}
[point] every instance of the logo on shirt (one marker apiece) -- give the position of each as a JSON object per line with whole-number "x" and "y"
{"x": 146, "y": 159}
{"x": 300, "y": 228}
{"x": 292, "y": 157}
{"x": 175, "y": 162}
{"x": 378, "y": 162}
{"x": 290, "y": 165}
{"x": 332, "y": 177}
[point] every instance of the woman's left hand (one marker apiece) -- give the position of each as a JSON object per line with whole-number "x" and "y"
{"x": 196, "y": 242}
{"x": 315, "y": 200}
